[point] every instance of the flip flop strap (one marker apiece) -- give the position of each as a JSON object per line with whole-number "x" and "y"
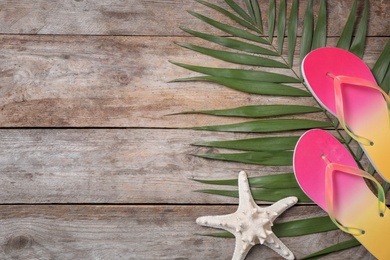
{"x": 330, "y": 169}
{"x": 338, "y": 81}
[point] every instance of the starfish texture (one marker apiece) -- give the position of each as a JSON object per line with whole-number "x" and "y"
{"x": 251, "y": 224}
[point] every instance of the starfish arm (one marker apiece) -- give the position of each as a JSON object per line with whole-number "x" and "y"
{"x": 277, "y": 245}
{"x": 280, "y": 206}
{"x": 241, "y": 249}
{"x": 223, "y": 222}
{"x": 246, "y": 201}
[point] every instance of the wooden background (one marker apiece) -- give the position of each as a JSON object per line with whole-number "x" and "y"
{"x": 91, "y": 166}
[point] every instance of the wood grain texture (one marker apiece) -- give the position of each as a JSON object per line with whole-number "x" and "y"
{"x": 67, "y": 81}
{"x": 149, "y": 17}
{"x": 114, "y": 166}
{"x": 91, "y": 166}
{"x": 138, "y": 232}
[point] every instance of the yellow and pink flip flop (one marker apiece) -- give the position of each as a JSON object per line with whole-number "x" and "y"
{"x": 344, "y": 85}
{"x": 328, "y": 174}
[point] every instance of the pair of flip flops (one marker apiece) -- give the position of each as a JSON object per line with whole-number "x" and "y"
{"x": 325, "y": 169}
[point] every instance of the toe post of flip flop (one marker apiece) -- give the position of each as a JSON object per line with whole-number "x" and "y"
{"x": 328, "y": 174}
{"x": 344, "y": 85}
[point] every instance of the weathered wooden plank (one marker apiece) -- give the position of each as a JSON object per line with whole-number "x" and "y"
{"x": 114, "y": 166}
{"x": 61, "y": 81}
{"x": 148, "y": 17}
{"x": 110, "y": 166}
{"x": 138, "y": 232}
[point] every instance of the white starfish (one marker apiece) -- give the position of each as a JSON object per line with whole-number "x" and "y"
{"x": 251, "y": 224}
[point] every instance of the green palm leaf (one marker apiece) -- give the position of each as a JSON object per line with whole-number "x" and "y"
{"x": 259, "y": 111}
{"x": 346, "y": 36}
{"x": 257, "y": 13}
{"x": 304, "y": 227}
{"x": 259, "y": 76}
{"x": 230, "y": 29}
{"x": 271, "y": 158}
{"x": 231, "y": 43}
{"x": 281, "y": 25}
{"x": 276, "y": 149}
{"x": 386, "y": 82}
{"x": 271, "y": 19}
{"x": 267, "y": 126}
{"x": 232, "y": 16}
{"x": 340, "y": 246}
{"x": 307, "y": 32}
{"x": 292, "y": 32}
{"x": 277, "y": 143}
{"x": 359, "y": 41}
{"x": 234, "y": 57}
{"x": 253, "y": 87}
{"x": 319, "y": 38}
{"x": 239, "y": 11}
{"x": 382, "y": 67}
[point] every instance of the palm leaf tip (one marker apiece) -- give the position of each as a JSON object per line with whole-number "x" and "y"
{"x": 346, "y": 35}
{"x": 358, "y": 44}
{"x": 340, "y": 246}
{"x": 259, "y": 111}
{"x": 281, "y": 25}
{"x": 319, "y": 38}
{"x": 234, "y": 57}
{"x": 292, "y": 32}
{"x": 268, "y": 126}
{"x": 277, "y": 143}
{"x": 307, "y": 31}
{"x": 240, "y": 74}
{"x": 271, "y": 158}
{"x": 382, "y": 66}
{"x": 234, "y": 31}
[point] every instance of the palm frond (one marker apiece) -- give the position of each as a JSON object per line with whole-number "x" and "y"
{"x": 232, "y": 16}
{"x": 240, "y": 11}
{"x": 340, "y": 246}
{"x": 381, "y": 68}
{"x": 270, "y": 158}
{"x": 259, "y": 111}
{"x": 234, "y": 57}
{"x": 230, "y": 29}
{"x": 278, "y": 143}
{"x": 359, "y": 41}
{"x": 241, "y": 74}
{"x": 252, "y": 87}
{"x": 307, "y": 32}
{"x": 319, "y": 38}
{"x": 253, "y": 48}
{"x": 268, "y": 126}
{"x": 271, "y": 19}
{"x": 281, "y": 25}
{"x": 345, "y": 39}
{"x": 231, "y": 43}
{"x": 254, "y": 9}
{"x": 292, "y": 32}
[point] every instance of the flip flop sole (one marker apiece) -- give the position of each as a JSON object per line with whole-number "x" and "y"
{"x": 354, "y": 203}
{"x": 366, "y": 112}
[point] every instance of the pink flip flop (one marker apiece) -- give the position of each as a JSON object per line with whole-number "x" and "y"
{"x": 328, "y": 174}
{"x": 344, "y": 85}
